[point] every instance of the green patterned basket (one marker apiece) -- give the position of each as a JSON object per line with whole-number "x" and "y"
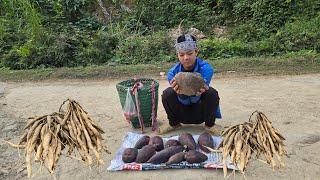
{"x": 145, "y": 98}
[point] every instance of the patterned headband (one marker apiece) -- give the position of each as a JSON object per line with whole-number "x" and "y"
{"x": 187, "y": 45}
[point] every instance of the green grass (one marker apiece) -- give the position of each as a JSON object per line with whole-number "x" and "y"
{"x": 289, "y": 64}
{"x": 270, "y": 65}
{"x": 90, "y": 72}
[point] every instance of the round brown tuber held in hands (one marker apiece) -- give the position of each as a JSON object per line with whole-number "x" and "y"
{"x": 189, "y": 83}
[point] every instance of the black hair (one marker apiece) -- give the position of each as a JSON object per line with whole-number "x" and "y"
{"x": 182, "y": 38}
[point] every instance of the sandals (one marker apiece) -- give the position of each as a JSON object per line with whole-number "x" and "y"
{"x": 215, "y": 130}
{"x": 167, "y": 128}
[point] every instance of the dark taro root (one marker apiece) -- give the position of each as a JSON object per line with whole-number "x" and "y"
{"x": 144, "y": 140}
{"x": 205, "y": 139}
{"x": 186, "y": 139}
{"x": 195, "y": 157}
{"x": 129, "y": 155}
{"x": 157, "y": 142}
{"x": 145, "y": 153}
{"x": 164, "y": 155}
{"x": 177, "y": 158}
{"x": 189, "y": 83}
{"x": 171, "y": 142}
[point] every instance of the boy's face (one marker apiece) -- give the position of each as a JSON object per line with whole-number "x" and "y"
{"x": 187, "y": 58}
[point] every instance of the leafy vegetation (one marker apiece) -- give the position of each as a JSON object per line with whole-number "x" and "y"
{"x": 71, "y": 33}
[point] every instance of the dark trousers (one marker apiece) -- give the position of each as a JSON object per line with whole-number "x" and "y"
{"x": 195, "y": 113}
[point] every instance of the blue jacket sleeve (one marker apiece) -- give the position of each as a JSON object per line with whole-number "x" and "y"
{"x": 171, "y": 73}
{"x": 207, "y": 73}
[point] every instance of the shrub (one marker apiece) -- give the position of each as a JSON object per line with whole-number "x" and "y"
{"x": 99, "y": 51}
{"x": 153, "y": 48}
{"x": 297, "y": 35}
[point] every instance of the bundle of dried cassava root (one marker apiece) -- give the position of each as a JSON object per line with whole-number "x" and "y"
{"x": 47, "y": 136}
{"x": 257, "y": 136}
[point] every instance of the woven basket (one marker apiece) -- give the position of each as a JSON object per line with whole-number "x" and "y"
{"x": 145, "y": 98}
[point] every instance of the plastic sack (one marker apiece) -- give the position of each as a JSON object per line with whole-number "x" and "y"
{"x": 129, "y": 109}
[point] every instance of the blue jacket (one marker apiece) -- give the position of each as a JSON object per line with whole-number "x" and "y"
{"x": 206, "y": 71}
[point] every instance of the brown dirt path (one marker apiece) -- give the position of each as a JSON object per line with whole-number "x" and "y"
{"x": 290, "y": 102}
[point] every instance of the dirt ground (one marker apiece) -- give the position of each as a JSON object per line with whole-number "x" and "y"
{"x": 290, "y": 102}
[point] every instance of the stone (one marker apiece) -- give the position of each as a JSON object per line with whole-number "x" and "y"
{"x": 196, "y": 33}
{"x": 176, "y": 32}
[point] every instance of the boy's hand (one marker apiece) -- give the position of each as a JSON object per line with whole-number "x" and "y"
{"x": 202, "y": 90}
{"x": 175, "y": 86}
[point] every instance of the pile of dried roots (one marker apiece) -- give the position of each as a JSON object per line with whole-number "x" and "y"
{"x": 47, "y": 136}
{"x": 258, "y": 137}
